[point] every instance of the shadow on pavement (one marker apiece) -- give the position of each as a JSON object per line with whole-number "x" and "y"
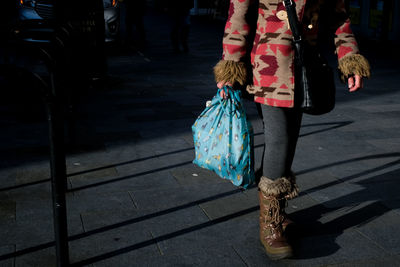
{"x": 305, "y": 235}
{"x": 310, "y": 226}
{"x": 166, "y": 68}
{"x": 307, "y": 219}
{"x": 335, "y": 126}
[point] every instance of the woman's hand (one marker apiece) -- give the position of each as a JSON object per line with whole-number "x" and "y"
{"x": 222, "y": 93}
{"x": 355, "y": 83}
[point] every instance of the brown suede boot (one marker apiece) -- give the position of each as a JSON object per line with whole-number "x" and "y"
{"x": 286, "y": 221}
{"x": 272, "y": 196}
{"x": 293, "y": 192}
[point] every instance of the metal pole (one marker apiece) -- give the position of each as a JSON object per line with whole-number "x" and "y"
{"x": 58, "y": 180}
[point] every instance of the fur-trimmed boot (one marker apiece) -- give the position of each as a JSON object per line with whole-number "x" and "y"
{"x": 273, "y": 195}
{"x": 293, "y": 192}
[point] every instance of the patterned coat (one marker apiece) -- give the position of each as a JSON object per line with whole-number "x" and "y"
{"x": 272, "y": 54}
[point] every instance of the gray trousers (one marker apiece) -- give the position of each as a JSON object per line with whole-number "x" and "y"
{"x": 281, "y": 131}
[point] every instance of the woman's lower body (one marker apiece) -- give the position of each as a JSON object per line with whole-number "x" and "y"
{"x": 277, "y": 184}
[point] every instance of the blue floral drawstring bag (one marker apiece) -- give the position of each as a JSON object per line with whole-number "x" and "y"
{"x": 223, "y": 139}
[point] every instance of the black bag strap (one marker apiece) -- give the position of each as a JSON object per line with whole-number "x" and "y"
{"x": 294, "y": 23}
{"x": 296, "y": 29}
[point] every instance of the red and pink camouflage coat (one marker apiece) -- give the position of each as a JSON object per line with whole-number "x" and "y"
{"x": 272, "y": 54}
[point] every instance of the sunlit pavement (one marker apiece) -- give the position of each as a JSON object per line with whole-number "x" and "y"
{"x": 135, "y": 198}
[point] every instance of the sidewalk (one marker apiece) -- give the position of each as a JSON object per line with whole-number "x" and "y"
{"x": 135, "y": 198}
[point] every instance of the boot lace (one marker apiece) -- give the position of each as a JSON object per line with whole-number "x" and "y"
{"x": 273, "y": 215}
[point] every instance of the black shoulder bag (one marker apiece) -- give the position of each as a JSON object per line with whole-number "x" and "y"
{"x": 314, "y": 79}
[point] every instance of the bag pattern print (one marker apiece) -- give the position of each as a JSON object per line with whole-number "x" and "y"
{"x": 223, "y": 139}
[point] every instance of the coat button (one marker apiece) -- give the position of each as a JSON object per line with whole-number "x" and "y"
{"x": 282, "y": 15}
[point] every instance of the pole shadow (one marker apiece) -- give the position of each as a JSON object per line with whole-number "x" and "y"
{"x": 308, "y": 225}
{"x": 335, "y": 125}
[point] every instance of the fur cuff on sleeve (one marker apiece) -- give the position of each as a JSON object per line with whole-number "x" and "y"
{"x": 354, "y": 64}
{"x": 230, "y": 71}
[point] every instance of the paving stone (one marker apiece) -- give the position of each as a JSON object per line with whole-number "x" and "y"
{"x": 205, "y": 256}
{"x": 35, "y": 226}
{"x": 90, "y": 177}
{"x": 323, "y": 128}
{"x": 393, "y": 204}
{"x": 367, "y": 209}
{"x": 368, "y": 125}
{"x": 34, "y": 209}
{"x": 377, "y": 133}
{"x": 227, "y": 205}
{"x": 185, "y": 156}
{"x": 192, "y": 174}
{"x": 136, "y": 181}
{"x": 176, "y": 223}
{"x": 96, "y": 220}
{"x": 383, "y": 230}
{"x": 326, "y": 149}
{"x": 129, "y": 238}
{"x": 309, "y": 157}
{"x": 352, "y": 168}
{"x": 122, "y": 151}
{"x": 320, "y": 220}
{"x": 300, "y": 204}
{"x": 253, "y": 253}
{"x": 39, "y": 191}
{"x": 44, "y": 257}
{"x": 32, "y": 174}
{"x": 314, "y": 180}
{"x": 131, "y": 258}
{"x": 79, "y": 169}
{"x": 251, "y": 193}
{"x": 8, "y": 177}
{"x": 6, "y": 250}
{"x": 325, "y": 250}
{"x": 384, "y": 184}
{"x": 180, "y": 196}
{"x": 387, "y": 261}
{"x": 376, "y": 188}
{"x": 328, "y": 195}
{"x": 83, "y": 162}
{"x": 152, "y": 164}
{"x": 173, "y": 144}
{"x": 235, "y": 228}
{"x": 7, "y": 212}
{"x": 176, "y": 129}
{"x": 188, "y": 137}
{"x": 92, "y": 202}
{"x": 207, "y": 239}
{"x": 145, "y": 149}
{"x": 358, "y": 167}
{"x": 385, "y": 114}
{"x": 7, "y": 234}
{"x": 388, "y": 144}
